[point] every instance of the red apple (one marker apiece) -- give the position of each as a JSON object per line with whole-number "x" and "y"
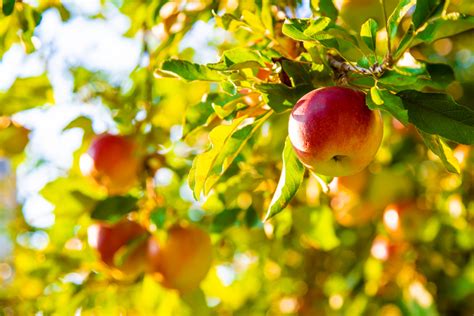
{"x": 121, "y": 246}
{"x": 183, "y": 260}
{"x": 113, "y": 162}
{"x": 333, "y": 132}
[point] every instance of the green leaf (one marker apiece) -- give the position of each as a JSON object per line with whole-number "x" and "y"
{"x": 322, "y": 233}
{"x": 81, "y": 122}
{"x": 405, "y": 42}
{"x": 70, "y": 196}
{"x": 26, "y": 93}
{"x": 239, "y": 58}
{"x": 317, "y": 25}
{"x": 8, "y": 6}
{"x": 204, "y": 162}
{"x": 253, "y": 21}
{"x": 158, "y": 217}
{"x": 442, "y": 150}
{"x": 384, "y": 100}
{"x": 424, "y": 9}
{"x": 233, "y": 146}
{"x": 198, "y": 115}
{"x": 224, "y": 220}
{"x": 252, "y": 219}
{"x": 291, "y": 177}
{"x": 441, "y": 75}
{"x": 281, "y": 97}
{"x": 397, "y": 15}
{"x": 325, "y": 8}
{"x": 114, "y": 208}
{"x": 368, "y": 33}
{"x": 445, "y": 26}
{"x": 439, "y": 114}
{"x": 437, "y": 76}
{"x": 295, "y": 28}
{"x": 189, "y": 71}
{"x": 299, "y": 72}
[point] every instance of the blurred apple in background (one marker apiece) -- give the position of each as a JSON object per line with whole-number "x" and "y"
{"x": 121, "y": 246}
{"x": 113, "y": 161}
{"x": 182, "y": 261}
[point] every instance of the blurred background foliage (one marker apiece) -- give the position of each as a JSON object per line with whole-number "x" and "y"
{"x": 396, "y": 239}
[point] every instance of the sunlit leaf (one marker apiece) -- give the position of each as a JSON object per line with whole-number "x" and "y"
{"x": 204, "y": 162}
{"x": 322, "y": 233}
{"x": 442, "y": 150}
{"x": 239, "y": 58}
{"x": 368, "y": 33}
{"x": 26, "y": 93}
{"x": 384, "y": 100}
{"x": 397, "y": 15}
{"x": 290, "y": 180}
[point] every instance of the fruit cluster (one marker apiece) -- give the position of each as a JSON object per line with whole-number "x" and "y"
{"x": 127, "y": 248}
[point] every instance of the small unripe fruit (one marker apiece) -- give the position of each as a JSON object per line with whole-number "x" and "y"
{"x": 125, "y": 238}
{"x": 113, "y": 162}
{"x": 333, "y": 132}
{"x": 183, "y": 260}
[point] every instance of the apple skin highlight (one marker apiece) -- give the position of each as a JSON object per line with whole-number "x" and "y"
{"x": 333, "y": 132}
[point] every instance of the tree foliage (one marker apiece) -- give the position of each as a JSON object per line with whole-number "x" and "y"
{"x": 212, "y": 139}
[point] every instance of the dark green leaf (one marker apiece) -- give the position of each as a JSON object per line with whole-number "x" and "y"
{"x": 189, "y": 71}
{"x": 252, "y": 219}
{"x": 114, "y": 208}
{"x": 442, "y": 150}
{"x": 424, "y": 9}
{"x": 441, "y": 75}
{"x": 327, "y": 8}
{"x": 368, "y": 33}
{"x": 281, "y": 97}
{"x": 292, "y": 175}
{"x": 298, "y": 72}
{"x": 8, "y": 6}
{"x": 158, "y": 217}
{"x": 439, "y": 114}
{"x": 224, "y": 220}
